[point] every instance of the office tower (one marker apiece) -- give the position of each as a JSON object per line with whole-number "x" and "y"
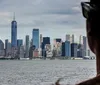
{"x": 1, "y": 45}
{"x": 84, "y": 44}
{"x": 74, "y": 47}
{"x": 63, "y": 49}
{"x": 89, "y": 53}
{"x": 67, "y": 37}
{"x": 58, "y": 40}
{"x": 14, "y": 33}
{"x": 1, "y": 48}
{"x": 8, "y": 49}
{"x": 31, "y": 42}
{"x": 81, "y": 39}
{"x": 31, "y": 49}
{"x": 27, "y": 46}
{"x": 41, "y": 39}
{"x": 19, "y": 42}
{"x": 21, "y": 52}
{"x": 73, "y": 38}
{"x": 6, "y": 46}
{"x": 58, "y": 46}
{"x": 6, "y": 43}
{"x": 80, "y": 52}
{"x": 67, "y": 49}
{"x": 46, "y": 41}
{"x": 35, "y": 38}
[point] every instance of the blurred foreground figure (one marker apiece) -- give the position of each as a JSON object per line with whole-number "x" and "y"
{"x": 91, "y": 11}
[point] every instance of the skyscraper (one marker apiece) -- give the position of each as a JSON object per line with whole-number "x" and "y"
{"x": 74, "y": 47}
{"x": 14, "y": 33}
{"x": 67, "y": 49}
{"x": 19, "y": 42}
{"x": 41, "y": 39}
{"x": 80, "y": 52}
{"x": 46, "y": 40}
{"x": 1, "y": 48}
{"x": 72, "y": 38}
{"x": 6, "y": 43}
{"x": 6, "y": 46}
{"x": 35, "y": 37}
{"x": 67, "y": 37}
{"x": 1, "y": 45}
{"x": 63, "y": 49}
{"x": 89, "y": 52}
{"x": 84, "y": 45}
{"x": 27, "y": 45}
{"x": 80, "y": 39}
{"x": 58, "y": 40}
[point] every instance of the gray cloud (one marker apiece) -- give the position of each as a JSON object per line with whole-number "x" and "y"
{"x": 50, "y": 14}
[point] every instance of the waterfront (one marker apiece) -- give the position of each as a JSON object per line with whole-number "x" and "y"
{"x": 45, "y": 72}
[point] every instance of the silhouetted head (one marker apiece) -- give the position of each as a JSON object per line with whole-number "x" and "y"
{"x": 91, "y": 11}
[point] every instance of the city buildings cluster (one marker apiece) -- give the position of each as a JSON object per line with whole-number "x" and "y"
{"x": 40, "y": 46}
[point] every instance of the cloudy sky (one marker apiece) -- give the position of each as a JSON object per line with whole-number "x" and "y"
{"x": 54, "y": 18}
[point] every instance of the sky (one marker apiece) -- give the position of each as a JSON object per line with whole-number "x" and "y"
{"x": 54, "y": 18}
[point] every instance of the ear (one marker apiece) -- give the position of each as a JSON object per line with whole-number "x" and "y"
{"x": 90, "y": 38}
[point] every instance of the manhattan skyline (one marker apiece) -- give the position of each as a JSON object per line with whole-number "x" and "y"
{"x": 52, "y": 18}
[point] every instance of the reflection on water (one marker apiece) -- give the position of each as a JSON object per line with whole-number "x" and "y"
{"x": 45, "y": 72}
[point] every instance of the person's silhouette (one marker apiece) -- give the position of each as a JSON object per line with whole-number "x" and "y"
{"x": 91, "y": 11}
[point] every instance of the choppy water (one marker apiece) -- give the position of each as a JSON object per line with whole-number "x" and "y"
{"x": 45, "y": 72}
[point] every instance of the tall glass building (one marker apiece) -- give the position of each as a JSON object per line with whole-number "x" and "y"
{"x": 1, "y": 48}
{"x": 35, "y": 38}
{"x": 74, "y": 47}
{"x": 6, "y": 44}
{"x": 19, "y": 42}
{"x": 58, "y": 40}
{"x": 63, "y": 49}
{"x": 1, "y": 45}
{"x": 67, "y": 49}
{"x": 14, "y": 33}
{"x": 84, "y": 44}
{"x": 46, "y": 40}
{"x": 27, "y": 45}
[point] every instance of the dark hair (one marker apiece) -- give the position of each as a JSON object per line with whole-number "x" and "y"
{"x": 95, "y": 2}
{"x": 95, "y": 20}
{"x": 95, "y": 27}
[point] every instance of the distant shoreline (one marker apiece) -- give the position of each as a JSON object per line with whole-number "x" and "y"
{"x": 59, "y": 58}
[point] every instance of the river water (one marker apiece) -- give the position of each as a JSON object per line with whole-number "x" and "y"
{"x": 45, "y": 72}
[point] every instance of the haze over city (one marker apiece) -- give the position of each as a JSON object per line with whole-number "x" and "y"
{"x": 53, "y": 18}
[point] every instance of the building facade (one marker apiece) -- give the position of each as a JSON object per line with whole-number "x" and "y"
{"x": 85, "y": 45}
{"x": 67, "y": 49}
{"x": 46, "y": 41}
{"x": 7, "y": 48}
{"x": 35, "y": 38}
{"x": 74, "y": 48}
{"x": 2, "y": 53}
{"x": 19, "y": 42}
{"x": 73, "y": 38}
{"x": 14, "y": 33}
{"x": 27, "y": 42}
{"x": 67, "y": 37}
{"x": 63, "y": 49}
